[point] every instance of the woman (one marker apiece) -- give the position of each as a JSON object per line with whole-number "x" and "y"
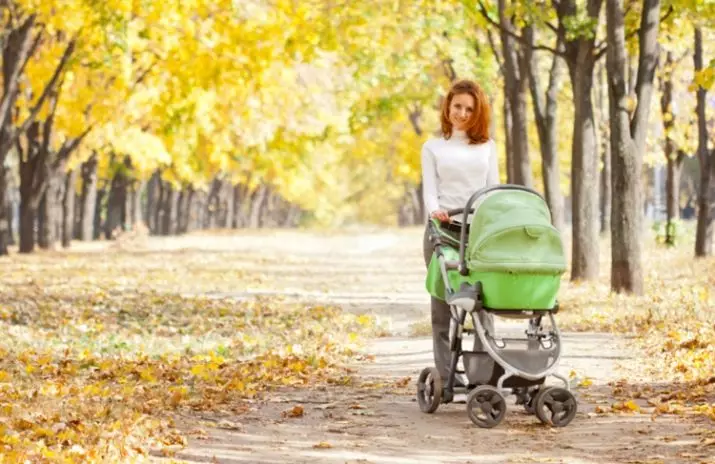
{"x": 454, "y": 166}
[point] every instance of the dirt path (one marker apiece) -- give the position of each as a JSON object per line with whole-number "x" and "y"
{"x": 378, "y": 420}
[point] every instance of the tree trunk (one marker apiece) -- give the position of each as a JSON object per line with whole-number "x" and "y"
{"x": 88, "y": 199}
{"x": 5, "y": 211}
{"x": 136, "y": 207}
{"x": 214, "y": 203}
{"x": 270, "y": 209}
{"x": 239, "y": 194}
{"x": 584, "y": 177}
{"x": 16, "y": 47}
{"x": 152, "y": 200}
{"x": 97, "y": 216}
{"x": 606, "y": 185}
{"x": 545, "y": 115}
{"x": 33, "y": 172}
{"x": 200, "y": 209}
{"x": 510, "y": 168}
{"x": 673, "y": 156}
{"x": 230, "y": 206}
{"x": 49, "y": 219}
{"x": 170, "y": 200}
{"x": 159, "y": 207}
{"x": 163, "y": 220}
{"x": 12, "y": 204}
{"x": 116, "y": 205}
{"x": 419, "y": 213}
{"x": 293, "y": 216}
{"x": 515, "y": 84}
{"x": 706, "y": 194}
{"x": 68, "y": 208}
{"x": 42, "y": 218}
{"x": 628, "y": 140}
{"x": 580, "y": 53}
{"x": 604, "y": 143}
{"x": 27, "y": 225}
{"x": 184, "y": 206}
{"x": 174, "y": 212}
{"x": 190, "y": 210}
{"x": 257, "y": 201}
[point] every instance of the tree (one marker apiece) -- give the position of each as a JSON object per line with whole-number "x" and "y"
{"x": 545, "y": 106}
{"x": 674, "y": 155}
{"x": 19, "y": 45}
{"x": 577, "y": 29}
{"x": 576, "y": 32}
{"x": 515, "y": 90}
{"x": 706, "y": 193}
{"x": 628, "y": 133}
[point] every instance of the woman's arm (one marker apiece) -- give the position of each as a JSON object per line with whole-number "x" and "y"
{"x": 493, "y": 174}
{"x": 429, "y": 181}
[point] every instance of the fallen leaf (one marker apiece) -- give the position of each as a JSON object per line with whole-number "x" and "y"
{"x": 229, "y": 425}
{"x": 295, "y": 411}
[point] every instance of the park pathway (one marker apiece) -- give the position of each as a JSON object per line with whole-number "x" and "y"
{"x": 377, "y": 420}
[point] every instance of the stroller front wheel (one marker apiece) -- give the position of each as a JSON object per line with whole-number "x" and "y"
{"x": 429, "y": 390}
{"x": 555, "y": 406}
{"x": 486, "y": 406}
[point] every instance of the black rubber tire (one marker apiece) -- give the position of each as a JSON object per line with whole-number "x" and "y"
{"x": 530, "y": 405}
{"x": 486, "y": 406}
{"x": 429, "y": 390}
{"x": 555, "y": 406}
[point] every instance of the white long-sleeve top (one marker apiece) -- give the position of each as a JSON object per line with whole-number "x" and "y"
{"x": 452, "y": 170}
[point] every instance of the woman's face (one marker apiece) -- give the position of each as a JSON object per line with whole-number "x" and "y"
{"x": 460, "y": 110}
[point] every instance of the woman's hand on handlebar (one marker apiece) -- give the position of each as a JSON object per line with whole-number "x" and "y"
{"x": 441, "y": 215}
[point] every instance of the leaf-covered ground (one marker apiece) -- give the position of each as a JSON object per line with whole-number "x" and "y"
{"x": 97, "y": 350}
{"x": 115, "y": 351}
{"x": 673, "y": 322}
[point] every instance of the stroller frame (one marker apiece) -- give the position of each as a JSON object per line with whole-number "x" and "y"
{"x": 486, "y": 405}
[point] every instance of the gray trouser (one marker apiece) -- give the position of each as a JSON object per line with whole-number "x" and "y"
{"x": 440, "y": 322}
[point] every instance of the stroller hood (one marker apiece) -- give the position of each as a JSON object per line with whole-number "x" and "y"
{"x": 511, "y": 231}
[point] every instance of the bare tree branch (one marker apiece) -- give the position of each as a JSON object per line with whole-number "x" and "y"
{"x": 521, "y": 39}
{"x": 495, "y": 50}
{"x": 602, "y": 47}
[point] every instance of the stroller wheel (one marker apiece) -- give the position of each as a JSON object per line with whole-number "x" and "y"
{"x": 429, "y": 390}
{"x": 555, "y": 406}
{"x": 530, "y": 403}
{"x": 486, "y": 407}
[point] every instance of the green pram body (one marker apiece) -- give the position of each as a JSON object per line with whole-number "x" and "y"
{"x": 512, "y": 249}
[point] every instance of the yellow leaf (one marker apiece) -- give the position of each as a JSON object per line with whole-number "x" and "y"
{"x": 632, "y": 406}
{"x": 199, "y": 370}
{"x": 586, "y": 382}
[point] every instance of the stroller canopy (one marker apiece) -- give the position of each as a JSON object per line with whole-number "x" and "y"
{"x": 511, "y": 231}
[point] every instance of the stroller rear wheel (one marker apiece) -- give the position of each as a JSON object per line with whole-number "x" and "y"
{"x": 486, "y": 406}
{"x": 555, "y": 406}
{"x": 429, "y": 390}
{"x": 530, "y": 399}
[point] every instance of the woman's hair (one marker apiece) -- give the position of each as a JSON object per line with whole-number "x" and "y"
{"x": 478, "y": 126}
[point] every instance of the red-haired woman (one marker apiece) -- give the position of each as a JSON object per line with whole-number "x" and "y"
{"x": 454, "y": 166}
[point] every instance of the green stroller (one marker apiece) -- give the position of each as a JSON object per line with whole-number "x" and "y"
{"x": 507, "y": 263}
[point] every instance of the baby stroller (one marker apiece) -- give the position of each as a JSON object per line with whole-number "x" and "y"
{"x": 507, "y": 263}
